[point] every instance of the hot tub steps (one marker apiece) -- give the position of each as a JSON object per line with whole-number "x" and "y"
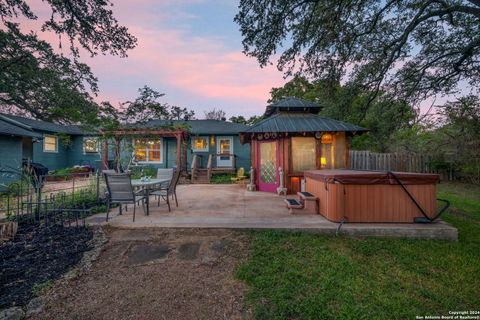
{"x": 306, "y": 204}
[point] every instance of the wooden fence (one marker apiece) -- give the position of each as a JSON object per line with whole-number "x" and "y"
{"x": 402, "y": 162}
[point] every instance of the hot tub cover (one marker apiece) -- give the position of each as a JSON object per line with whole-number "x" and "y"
{"x": 371, "y": 177}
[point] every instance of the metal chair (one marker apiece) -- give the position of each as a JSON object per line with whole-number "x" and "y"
{"x": 165, "y": 173}
{"x": 120, "y": 190}
{"x": 170, "y": 190}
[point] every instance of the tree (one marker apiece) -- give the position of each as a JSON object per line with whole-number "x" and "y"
{"x": 34, "y": 80}
{"x": 460, "y": 135}
{"x": 410, "y": 49}
{"x": 89, "y": 24}
{"x": 241, "y": 119}
{"x": 215, "y": 114}
{"x": 383, "y": 117}
{"x": 37, "y": 82}
{"x": 178, "y": 113}
{"x": 115, "y": 122}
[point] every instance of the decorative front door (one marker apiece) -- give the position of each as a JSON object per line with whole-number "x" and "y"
{"x": 224, "y": 151}
{"x": 267, "y": 164}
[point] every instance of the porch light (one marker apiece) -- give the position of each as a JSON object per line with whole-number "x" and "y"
{"x": 212, "y": 140}
{"x": 327, "y": 138}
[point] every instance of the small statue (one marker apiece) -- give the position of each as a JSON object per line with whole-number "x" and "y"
{"x": 281, "y": 189}
{"x": 251, "y": 186}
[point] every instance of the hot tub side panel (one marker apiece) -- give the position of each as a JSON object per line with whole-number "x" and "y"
{"x": 372, "y": 203}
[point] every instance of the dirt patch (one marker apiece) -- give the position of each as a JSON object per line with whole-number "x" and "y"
{"x": 36, "y": 257}
{"x": 157, "y": 274}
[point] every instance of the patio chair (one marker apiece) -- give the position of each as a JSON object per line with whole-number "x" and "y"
{"x": 120, "y": 190}
{"x": 240, "y": 177}
{"x": 169, "y": 191}
{"x": 165, "y": 173}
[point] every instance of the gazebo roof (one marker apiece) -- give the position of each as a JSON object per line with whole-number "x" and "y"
{"x": 301, "y": 122}
{"x": 292, "y": 104}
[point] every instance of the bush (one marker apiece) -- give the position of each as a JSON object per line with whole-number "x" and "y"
{"x": 136, "y": 172}
{"x": 221, "y": 178}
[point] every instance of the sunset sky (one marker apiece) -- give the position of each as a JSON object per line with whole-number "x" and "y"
{"x": 190, "y": 50}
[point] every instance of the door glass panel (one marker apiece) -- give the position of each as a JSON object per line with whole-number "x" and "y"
{"x": 225, "y": 146}
{"x": 268, "y": 160}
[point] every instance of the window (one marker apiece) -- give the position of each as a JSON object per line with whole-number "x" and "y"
{"x": 303, "y": 154}
{"x": 200, "y": 144}
{"x": 90, "y": 145}
{"x": 148, "y": 150}
{"x": 50, "y": 143}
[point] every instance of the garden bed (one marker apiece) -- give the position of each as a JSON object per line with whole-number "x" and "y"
{"x": 37, "y": 257}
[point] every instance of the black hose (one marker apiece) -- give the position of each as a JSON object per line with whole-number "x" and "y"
{"x": 447, "y": 203}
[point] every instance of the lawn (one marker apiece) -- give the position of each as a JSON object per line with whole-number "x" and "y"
{"x": 307, "y": 276}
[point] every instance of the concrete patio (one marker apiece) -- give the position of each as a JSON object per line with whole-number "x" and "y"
{"x": 232, "y": 207}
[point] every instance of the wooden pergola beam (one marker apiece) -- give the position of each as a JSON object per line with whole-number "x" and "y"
{"x": 179, "y": 134}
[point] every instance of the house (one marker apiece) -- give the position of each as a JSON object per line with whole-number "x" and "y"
{"x": 293, "y": 138}
{"x": 154, "y": 144}
{"x": 202, "y": 144}
{"x": 53, "y": 145}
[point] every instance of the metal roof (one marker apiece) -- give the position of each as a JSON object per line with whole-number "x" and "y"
{"x": 301, "y": 122}
{"x": 10, "y": 129}
{"x": 46, "y": 126}
{"x": 200, "y": 126}
{"x": 292, "y": 104}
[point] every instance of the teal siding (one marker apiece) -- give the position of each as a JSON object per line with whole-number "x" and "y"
{"x": 51, "y": 160}
{"x": 242, "y": 153}
{"x": 76, "y": 156}
{"x": 11, "y": 159}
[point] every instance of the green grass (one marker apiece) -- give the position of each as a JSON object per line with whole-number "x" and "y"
{"x": 307, "y": 276}
{"x": 40, "y": 289}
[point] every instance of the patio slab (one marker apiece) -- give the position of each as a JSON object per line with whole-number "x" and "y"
{"x": 232, "y": 207}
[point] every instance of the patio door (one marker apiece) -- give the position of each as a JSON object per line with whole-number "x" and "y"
{"x": 224, "y": 151}
{"x": 267, "y": 164}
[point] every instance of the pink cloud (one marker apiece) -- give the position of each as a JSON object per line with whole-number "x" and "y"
{"x": 201, "y": 68}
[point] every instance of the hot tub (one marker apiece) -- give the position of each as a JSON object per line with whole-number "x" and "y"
{"x": 372, "y": 196}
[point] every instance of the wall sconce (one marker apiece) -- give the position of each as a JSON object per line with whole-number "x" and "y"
{"x": 212, "y": 140}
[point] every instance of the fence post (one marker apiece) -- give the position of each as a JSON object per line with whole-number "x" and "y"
{"x": 98, "y": 187}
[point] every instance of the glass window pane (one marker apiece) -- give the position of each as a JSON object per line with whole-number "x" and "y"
{"x": 50, "y": 143}
{"x": 90, "y": 145}
{"x": 225, "y": 146}
{"x": 268, "y": 162}
{"x": 148, "y": 150}
{"x": 200, "y": 143}
{"x": 303, "y": 154}
{"x": 140, "y": 154}
{"x": 154, "y": 155}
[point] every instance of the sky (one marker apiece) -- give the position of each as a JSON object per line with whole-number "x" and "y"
{"x": 190, "y": 50}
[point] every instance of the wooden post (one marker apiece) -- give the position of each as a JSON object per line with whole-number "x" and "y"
{"x": 179, "y": 150}
{"x": 105, "y": 155}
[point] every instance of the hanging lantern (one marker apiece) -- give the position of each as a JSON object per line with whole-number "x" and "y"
{"x": 327, "y": 138}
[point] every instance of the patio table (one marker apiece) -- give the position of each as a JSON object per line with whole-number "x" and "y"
{"x": 147, "y": 186}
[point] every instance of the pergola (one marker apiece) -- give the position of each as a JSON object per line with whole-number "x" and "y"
{"x": 179, "y": 134}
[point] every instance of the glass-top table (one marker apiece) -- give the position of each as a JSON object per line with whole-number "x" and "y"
{"x": 147, "y": 185}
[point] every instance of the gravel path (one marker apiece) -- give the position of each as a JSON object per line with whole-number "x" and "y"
{"x": 157, "y": 274}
